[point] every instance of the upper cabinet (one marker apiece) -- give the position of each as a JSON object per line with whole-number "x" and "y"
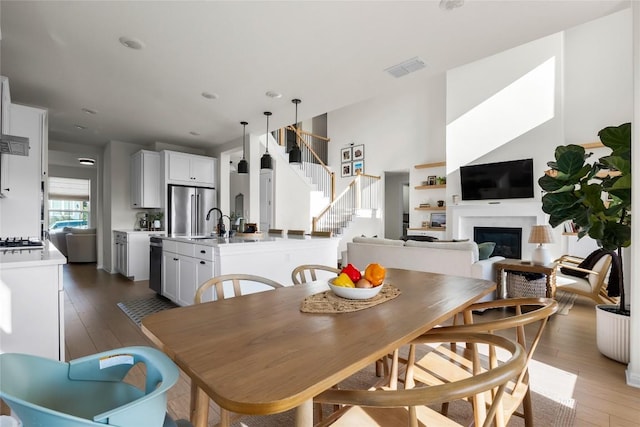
{"x": 145, "y": 179}
{"x": 190, "y": 169}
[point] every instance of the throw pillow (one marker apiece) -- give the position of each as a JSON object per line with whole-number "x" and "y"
{"x": 485, "y": 250}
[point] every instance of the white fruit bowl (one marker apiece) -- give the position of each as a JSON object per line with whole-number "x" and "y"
{"x": 354, "y": 293}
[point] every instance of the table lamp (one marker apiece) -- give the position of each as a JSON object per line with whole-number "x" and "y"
{"x": 541, "y": 234}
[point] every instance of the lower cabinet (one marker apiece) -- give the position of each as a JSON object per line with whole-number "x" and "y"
{"x": 185, "y": 267}
{"x": 131, "y": 258}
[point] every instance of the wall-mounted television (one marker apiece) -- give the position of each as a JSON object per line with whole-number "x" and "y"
{"x": 503, "y": 180}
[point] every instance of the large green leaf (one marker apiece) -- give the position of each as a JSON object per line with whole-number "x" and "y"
{"x": 570, "y": 159}
{"x": 618, "y": 138}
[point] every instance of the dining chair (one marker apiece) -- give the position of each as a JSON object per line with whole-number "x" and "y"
{"x": 591, "y": 285}
{"x": 309, "y": 272}
{"x": 322, "y": 234}
{"x": 381, "y": 406}
{"x": 89, "y": 391}
{"x": 509, "y": 319}
{"x": 295, "y": 232}
{"x": 228, "y": 286}
{"x": 277, "y": 231}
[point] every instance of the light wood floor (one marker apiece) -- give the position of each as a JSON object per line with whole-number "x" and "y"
{"x": 94, "y": 323}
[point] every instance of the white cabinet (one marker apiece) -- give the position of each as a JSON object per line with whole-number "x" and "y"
{"x": 145, "y": 179}
{"x": 189, "y": 169}
{"x": 32, "y": 307}
{"x": 185, "y": 266}
{"x": 131, "y": 254}
{"x": 23, "y": 176}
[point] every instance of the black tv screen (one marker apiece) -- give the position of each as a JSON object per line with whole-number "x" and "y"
{"x": 502, "y": 180}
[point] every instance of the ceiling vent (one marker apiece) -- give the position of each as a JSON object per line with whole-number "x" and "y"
{"x": 406, "y": 67}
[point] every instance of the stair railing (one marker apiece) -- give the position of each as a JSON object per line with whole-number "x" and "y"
{"x": 313, "y": 149}
{"x": 361, "y": 193}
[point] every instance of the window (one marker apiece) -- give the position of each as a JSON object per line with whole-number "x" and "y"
{"x": 69, "y": 204}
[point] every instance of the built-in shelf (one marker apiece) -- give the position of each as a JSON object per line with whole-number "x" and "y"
{"x": 430, "y": 187}
{"x": 428, "y": 228}
{"x": 430, "y": 165}
{"x": 432, "y": 208}
{"x": 569, "y": 234}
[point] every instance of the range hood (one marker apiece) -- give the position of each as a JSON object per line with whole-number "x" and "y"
{"x": 16, "y": 145}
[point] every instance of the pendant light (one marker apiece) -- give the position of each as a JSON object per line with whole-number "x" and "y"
{"x": 265, "y": 160}
{"x": 295, "y": 155}
{"x": 243, "y": 166}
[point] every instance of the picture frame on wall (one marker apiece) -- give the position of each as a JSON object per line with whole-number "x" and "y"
{"x": 358, "y": 152}
{"x": 431, "y": 180}
{"x": 357, "y": 167}
{"x": 346, "y": 170}
{"x": 346, "y": 154}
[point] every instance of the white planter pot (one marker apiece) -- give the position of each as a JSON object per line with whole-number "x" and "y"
{"x": 612, "y": 334}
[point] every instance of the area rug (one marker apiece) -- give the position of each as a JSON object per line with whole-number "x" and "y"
{"x": 565, "y": 301}
{"x": 549, "y": 410}
{"x": 137, "y": 309}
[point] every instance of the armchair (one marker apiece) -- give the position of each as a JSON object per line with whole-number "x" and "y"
{"x": 593, "y": 285}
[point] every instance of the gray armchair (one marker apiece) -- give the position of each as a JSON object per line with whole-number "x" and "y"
{"x": 77, "y": 244}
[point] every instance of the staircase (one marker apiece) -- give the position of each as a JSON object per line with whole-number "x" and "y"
{"x": 360, "y": 198}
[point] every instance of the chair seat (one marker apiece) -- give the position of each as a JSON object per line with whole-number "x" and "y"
{"x": 364, "y": 416}
{"x": 572, "y": 283}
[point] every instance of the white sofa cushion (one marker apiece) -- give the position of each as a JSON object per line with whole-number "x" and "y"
{"x": 378, "y": 241}
{"x": 458, "y": 246}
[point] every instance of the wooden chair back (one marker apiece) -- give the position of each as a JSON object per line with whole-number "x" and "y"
{"x": 367, "y": 404}
{"x": 596, "y": 278}
{"x": 296, "y": 232}
{"x": 218, "y": 283}
{"x": 308, "y": 272}
{"x": 277, "y": 231}
{"x": 511, "y": 318}
{"x": 322, "y": 233}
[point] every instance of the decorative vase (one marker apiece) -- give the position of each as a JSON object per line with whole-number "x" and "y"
{"x": 612, "y": 333}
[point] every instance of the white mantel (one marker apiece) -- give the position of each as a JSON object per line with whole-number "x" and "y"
{"x": 462, "y": 219}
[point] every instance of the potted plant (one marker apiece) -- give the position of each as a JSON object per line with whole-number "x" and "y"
{"x": 596, "y": 197}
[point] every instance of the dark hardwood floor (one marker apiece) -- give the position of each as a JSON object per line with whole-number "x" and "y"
{"x": 567, "y": 350}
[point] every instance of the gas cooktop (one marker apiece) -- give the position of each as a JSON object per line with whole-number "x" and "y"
{"x": 20, "y": 243}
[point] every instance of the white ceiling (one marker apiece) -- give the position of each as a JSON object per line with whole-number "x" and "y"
{"x": 65, "y": 56}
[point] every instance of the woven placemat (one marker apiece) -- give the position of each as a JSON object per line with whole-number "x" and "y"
{"x": 328, "y": 302}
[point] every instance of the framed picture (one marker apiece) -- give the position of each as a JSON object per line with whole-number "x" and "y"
{"x": 346, "y": 154}
{"x": 438, "y": 220}
{"x": 358, "y": 152}
{"x": 346, "y": 169}
{"x": 431, "y": 180}
{"x": 357, "y": 167}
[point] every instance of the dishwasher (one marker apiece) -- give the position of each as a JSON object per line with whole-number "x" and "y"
{"x": 155, "y": 264}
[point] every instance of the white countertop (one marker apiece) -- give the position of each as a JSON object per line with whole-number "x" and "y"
{"x": 20, "y": 258}
{"x": 220, "y": 241}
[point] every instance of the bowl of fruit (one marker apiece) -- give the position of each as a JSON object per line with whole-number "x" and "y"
{"x": 351, "y": 283}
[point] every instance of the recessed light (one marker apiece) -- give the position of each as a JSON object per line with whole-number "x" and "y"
{"x": 194, "y": 133}
{"x": 210, "y": 95}
{"x": 89, "y": 111}
{"x": 86, "y": 161}
{"x": 273, "y": 94}
{"x": 79, "y": 127}
{"x": 131, "y": 43}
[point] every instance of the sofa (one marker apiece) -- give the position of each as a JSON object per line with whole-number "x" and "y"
{"x": 457, "y": 258}
{"x": 77, "y": 244}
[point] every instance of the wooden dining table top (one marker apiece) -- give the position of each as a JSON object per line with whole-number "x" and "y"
{"x": 259, "y": 354}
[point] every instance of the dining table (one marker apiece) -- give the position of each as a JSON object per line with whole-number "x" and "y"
{"x": 259, "y": 354}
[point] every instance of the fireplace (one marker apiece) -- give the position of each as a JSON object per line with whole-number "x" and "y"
{"x": 508, "y": 240}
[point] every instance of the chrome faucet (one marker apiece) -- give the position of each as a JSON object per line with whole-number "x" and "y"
{"x": 221, "y": 229}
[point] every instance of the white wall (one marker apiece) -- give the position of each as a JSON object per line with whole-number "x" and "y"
{"x": 599, "y": 74}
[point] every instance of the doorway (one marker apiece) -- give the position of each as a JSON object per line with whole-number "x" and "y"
{"x": 396, "y": 204}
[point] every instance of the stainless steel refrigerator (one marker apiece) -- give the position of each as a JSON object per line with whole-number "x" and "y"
{"x": 188, "y": 207}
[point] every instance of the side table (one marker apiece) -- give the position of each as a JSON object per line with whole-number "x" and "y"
{"x": 521, "y": 266}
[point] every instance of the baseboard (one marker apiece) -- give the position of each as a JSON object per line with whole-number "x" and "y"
{"x": 633, "y": 378}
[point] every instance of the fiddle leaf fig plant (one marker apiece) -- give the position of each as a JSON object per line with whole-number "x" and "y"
{"x": 595, "y": 195}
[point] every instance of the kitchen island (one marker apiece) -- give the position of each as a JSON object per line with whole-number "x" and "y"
{"x": 187, "y": 262}
{"x": 32, "y": 301}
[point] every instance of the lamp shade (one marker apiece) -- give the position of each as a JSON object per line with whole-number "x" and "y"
{"x": 540, "y": 234}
